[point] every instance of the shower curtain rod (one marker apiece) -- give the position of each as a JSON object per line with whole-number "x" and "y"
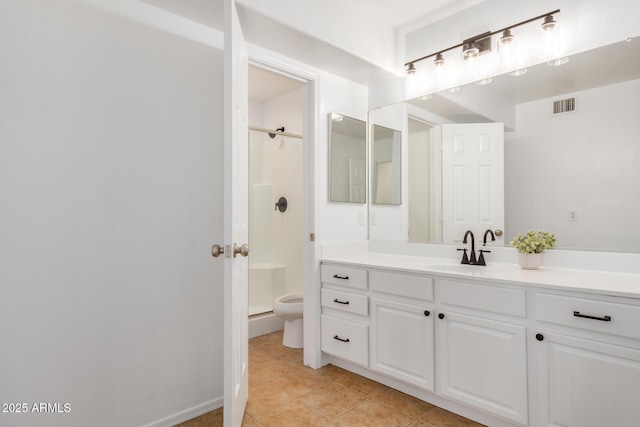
{"x": 277, "y": 132}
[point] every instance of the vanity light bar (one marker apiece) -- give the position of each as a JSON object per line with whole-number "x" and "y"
{"x": 481, "y": 43}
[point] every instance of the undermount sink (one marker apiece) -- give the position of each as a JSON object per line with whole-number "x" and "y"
{"x": 474, "y": 270}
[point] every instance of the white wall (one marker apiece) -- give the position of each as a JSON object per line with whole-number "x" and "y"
{"x": 586, "y": 161}
{"x": 336, "y": 222}
{"x": 109, "y": 155}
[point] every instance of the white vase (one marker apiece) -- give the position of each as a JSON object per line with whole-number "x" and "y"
{"x": 530, "y": 261}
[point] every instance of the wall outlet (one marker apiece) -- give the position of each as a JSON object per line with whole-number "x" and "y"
{"x": 573, "y": 216}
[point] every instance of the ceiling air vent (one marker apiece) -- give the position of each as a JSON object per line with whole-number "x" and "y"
{"x": 564, "y": 105}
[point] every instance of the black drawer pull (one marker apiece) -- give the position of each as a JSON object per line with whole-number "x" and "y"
{"x": 441, "y": 316}
{"x": 335, "y": 276}
{"x": 539, "y": 337}
{"x": 341, "y": 339}
{"x": 427, "y": 313}
{"x": 604, "y": 319}
{"x": 341, "y": 302}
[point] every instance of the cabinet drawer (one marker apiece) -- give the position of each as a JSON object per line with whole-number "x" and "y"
{"x": 345, "y": 339}
{"x": 404, "y": 285}
{"x": 344, "y": 276}
{"x": 486, "y": 298}
{"x": 600, "y": 316}
{"x": 345, "y": 301}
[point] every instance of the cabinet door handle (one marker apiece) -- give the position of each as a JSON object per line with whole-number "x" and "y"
{"x": 539, "y": 337}
{"x": 441, "y": 316}
{"x": 335, "y": 276}
{"x": 336, "y": 300}
{"x": 427, "y": 313}
{"x": 603, "y": 319}
{"x": 335, "y": 337}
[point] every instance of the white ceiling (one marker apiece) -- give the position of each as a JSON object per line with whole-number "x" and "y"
{"x": 344, "y": 20}
{"x": 206, "y": 12}
{"x": 381, "y": 13}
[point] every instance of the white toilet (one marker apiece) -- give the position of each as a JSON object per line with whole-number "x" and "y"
{"x": 289, "y": 308}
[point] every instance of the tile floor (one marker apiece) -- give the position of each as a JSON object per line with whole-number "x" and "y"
{"x": 283, "y": 392}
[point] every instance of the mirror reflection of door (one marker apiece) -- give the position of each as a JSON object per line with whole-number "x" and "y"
{"x": 356, "y": 180}
{"x": 347, "y": 159}
{"x": 383, "y": 177}
{"x": 387, "y": 165}
{"x": 472, "y": 179}
{"x": 424, "y": 182}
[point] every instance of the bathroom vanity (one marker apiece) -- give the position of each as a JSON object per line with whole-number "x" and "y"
{"x": 497, "y": 344}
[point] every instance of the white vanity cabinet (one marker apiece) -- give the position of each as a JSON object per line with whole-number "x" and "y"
{"x": 588, "y": 376}
{"x": 504, "y": 352}
{"x": 402, "y": 340}
{"x": 481, "y": 347}
{"x": 345, "y": 313}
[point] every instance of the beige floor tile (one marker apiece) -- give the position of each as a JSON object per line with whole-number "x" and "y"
{"x": 258, "y": 356}
{"x": 404, "y": 403}
{"x": 249, "y": 421}
{"x": 265, "y": 397}
{"x": 373, "y": 413}
{"x": 438, "y": 417}
{"x": 272, "y": 368}
{"x": 299, "y": 385}
{"x": 210, "y": 419}
{"x": 283, "y": 392}
{"x": 333, "y": 399}
{"x": 360, "y": 384}
{"x": 293, "y": 355}
{"x": 293, "y": 414}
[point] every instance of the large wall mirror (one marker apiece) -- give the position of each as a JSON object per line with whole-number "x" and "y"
{"x": 571, "y": 160}
{"x": 386, "y": 166}
{"x": 347, "y": 159}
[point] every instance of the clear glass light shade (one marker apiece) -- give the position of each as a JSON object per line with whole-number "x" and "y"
{"x": 508, "y": 50}
{"x": 549, "y": 37}
{"x": 470, "y": 51}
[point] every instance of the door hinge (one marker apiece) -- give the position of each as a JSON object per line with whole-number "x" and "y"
{"x": 312, "y": 237}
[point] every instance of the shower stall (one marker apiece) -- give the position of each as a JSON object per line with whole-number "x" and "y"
{"x": 275, "y": 217}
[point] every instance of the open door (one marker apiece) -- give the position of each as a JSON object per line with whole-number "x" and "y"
{"x": 472, "y": 179}
{"x": 236, "y": 214}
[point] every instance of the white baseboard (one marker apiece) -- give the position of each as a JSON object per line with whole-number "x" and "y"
{"x": 264, "y": 324}
{"x": 188, "y": 414}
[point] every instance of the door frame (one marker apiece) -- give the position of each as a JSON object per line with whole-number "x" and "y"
{"x": 268, "y": 60}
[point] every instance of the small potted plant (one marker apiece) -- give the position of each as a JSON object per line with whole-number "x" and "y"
{"x": 530, "y": 247}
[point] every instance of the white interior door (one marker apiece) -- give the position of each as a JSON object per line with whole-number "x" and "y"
{"x": 236, "y": 213}
{"x": 472, "y": 179}
{"x": 356, "y": 180}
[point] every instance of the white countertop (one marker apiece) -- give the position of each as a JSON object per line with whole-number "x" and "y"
{"x": 595, "y": 282}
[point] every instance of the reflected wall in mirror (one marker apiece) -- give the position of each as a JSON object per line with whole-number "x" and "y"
{"x": 347, "y": 159}
{"x": 386, "y": 166}
{"x": 571, "y": 147}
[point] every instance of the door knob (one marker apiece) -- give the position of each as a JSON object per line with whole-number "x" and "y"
{"x": 217, "y": 250}
{"x": 242, "y": 250}
{"x": 499, "y": 232}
